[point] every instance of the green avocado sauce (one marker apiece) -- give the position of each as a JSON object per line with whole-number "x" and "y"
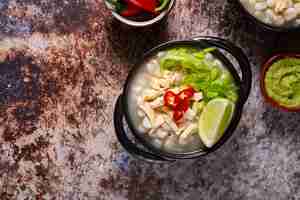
{"x": 282, "y": 82}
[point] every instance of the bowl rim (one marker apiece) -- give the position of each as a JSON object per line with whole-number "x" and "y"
{"x": 278, "y": 29}
{"x": 150, "y": 22}
{"x": 193, "y": 154}
{"x": 267, "y": 64}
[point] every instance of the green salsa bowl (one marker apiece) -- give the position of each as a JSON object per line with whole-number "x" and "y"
{"x": 280, "y": 82}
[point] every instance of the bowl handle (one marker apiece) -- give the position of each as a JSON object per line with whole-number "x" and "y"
{"x": 239, "y": 56}
{"x": 124, "y": 140}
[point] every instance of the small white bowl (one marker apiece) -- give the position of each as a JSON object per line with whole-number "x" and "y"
{"x": 156, "y": 19}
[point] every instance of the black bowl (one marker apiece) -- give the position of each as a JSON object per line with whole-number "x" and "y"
{"x": 265, "y": 25}
{"x": 150, "y": 152}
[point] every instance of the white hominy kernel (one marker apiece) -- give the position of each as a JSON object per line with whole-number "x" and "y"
{"x": 290, "y": 3}
{"x": 268, "y": 20}
{"x": 137, "y": 89}
{"x": 161, "y": 134}
{"x": 290, "y": 14}
{"x": 279, "y": 20}
{"x": 159, "y": 120}
{"x": 275, "y": 12}
{"x": 142, "y": 129}
{"x": 150, "y": 67}
{"x": 270, "y": 3}
{"x": 140, "y": 113}
{"x": 177, "y": 77}
{"x": 259, "y": 14}
{"x": 152, "y": 133}
{"x": 297, "y": 22}
{"x": 297, "y": 7}
{"x": 261, "y": 6}
{"x": 146, "y": 123}
{"x": 252, "y": 2}
{"x": 269, "y": 15}
{"x": 153, "y": 67}
{"x": 198, "y": 96}
{"x": 157, "y": 102}
{"x": 161, "y": 54}
{"x": 190, "y": 114}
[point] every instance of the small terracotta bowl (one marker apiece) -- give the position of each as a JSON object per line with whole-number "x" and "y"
{"x": 265, "y": 68}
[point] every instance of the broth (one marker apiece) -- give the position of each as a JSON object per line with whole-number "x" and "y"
{"x": 156, "y": 119}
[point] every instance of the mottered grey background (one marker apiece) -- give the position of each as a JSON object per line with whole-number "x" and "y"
{"x": 62, "y": 66}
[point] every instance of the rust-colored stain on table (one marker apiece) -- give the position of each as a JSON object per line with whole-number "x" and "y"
{"x": 62, "y": 66}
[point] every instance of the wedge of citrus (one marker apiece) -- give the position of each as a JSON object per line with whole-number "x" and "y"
{"x": 214, "y": 120}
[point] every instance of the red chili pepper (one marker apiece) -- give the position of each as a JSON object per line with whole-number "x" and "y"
{"x": 171, "y": 99}
{"x": 131, "y": 10}
{"x": 186, "y": 93}
{"x": 183, "y": 105}
{"x": 177, "y": 115}
{"x": 180, "y": 109}
{"x": 179, "y": 102}
{"x": 147, "y": 5}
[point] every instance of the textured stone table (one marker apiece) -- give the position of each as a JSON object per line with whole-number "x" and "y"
{"x": 63, "y": 63}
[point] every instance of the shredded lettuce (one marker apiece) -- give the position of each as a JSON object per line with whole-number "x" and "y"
{"x": 202, "y": 74}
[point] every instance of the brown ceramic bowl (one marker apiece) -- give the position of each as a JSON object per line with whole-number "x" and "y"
{"x": 265, "y": 68}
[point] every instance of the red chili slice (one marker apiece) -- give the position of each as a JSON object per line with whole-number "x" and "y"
{"x": 177, "y": 115}
{"x": 131, "y": 10}
{"x": 186, "y": 93}
{"x": 183, "y": 105}
{"x": 179, "y": 103}
{"x": 147, "y": 5}
{"x": 171, "y": 99}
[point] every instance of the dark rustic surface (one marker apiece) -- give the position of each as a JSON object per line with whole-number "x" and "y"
{"x": 62, "y": 65}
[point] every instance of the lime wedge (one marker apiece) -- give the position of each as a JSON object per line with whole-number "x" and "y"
{"x": 214, "y": 120}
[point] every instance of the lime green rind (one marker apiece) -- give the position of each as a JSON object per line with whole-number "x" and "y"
{"x": 214, "y": 120}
